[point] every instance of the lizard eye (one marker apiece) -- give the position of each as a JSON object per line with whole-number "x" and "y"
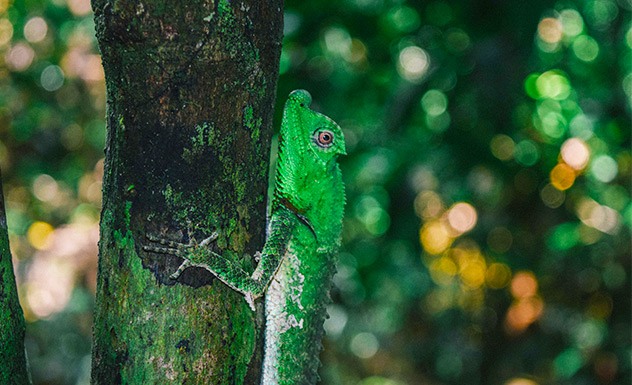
{"x": 324, "y": 138}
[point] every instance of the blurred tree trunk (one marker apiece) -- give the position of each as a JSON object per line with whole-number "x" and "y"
{"x": 13, "y": 368}
{"x": 190, "y": 95}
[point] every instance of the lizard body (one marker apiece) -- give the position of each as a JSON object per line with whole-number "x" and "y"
{"x": 297, "y": 262}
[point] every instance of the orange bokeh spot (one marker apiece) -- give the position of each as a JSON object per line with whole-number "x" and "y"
{"x": 523, "y": 313}
{"x": 562, "y": 176}
{"x": 524, "y": 285}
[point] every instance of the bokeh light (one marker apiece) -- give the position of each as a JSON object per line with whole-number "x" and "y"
{"x": 562, "y": 176}
{"x": 552, "y": 196}
{"x": 45, "y": 188}
{"x": 428, "y": 204}
{"x": 524, "y": 285}
{"x": 600, "y": 217}
{"x": 601, "y": 12}
{"x": 498, "y": 275}
{"x": 435, "y": 236}
{"x": 414, "y": 63}
{"x": 79, "y": 7}
{"x": 575, "y": 153}
{"x": 338, "y": 41}
{"x": 35, "y": 30}
{"x": 364, "y": 345}
{"x": 434, "y": 102}
{"x": 20, "y": 57}
{"x": 473, "y": 273}
{"x": 604, "y": 168}
{"x": 502, "y": 147}
{"x": 581, "y": 127}
{"x": 6, "y": 32}
{"x": 585, "y": 48}
{"x": 553, "y": 85}
{"x": 568, "y": 362}
{"x": 457, "y": 40}
{"x": 52, "y": 78}
{"x": 526, "y": 152}
{"x": 520, "y": 381}
{"x": 39, "y": 234}
{"x": 4, "y": 5}
{"x": 523, "y": 313}
{"x": 402, "y": 18}
{"x": 462, "y": 217}
{"x": 550, "y": 30}
{"x": 572, "y": 22}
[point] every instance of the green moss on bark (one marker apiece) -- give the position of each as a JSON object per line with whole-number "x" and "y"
{"x": 178, "y": 84}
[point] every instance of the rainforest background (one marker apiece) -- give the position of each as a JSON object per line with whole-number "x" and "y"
{"x": 488, "y": 216}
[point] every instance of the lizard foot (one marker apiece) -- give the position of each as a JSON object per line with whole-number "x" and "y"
{"x": 179, "y": 249}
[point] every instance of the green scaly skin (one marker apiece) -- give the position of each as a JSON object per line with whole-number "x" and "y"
{"x": 297, "y": 262}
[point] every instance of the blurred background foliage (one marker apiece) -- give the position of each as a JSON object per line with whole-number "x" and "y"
{"x": 487, "y": 233}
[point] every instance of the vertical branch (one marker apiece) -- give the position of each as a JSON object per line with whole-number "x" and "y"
{"x": 13, "y": 368}
{"x": 190, "y": 90}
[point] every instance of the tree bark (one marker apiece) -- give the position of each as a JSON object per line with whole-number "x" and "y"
{"x": 190, "y": 98}
{"x": 13, "y": 368}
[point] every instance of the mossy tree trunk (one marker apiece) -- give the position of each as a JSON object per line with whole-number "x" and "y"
{"x": 190, "y": 96}
{"x": 13, "y": 368}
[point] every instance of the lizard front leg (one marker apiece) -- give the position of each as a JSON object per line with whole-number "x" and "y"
{"x": 282, "y": 225}
{"x": 196, "y": 254}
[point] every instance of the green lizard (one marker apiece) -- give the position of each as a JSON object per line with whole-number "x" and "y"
{"x": 296, "y": 264}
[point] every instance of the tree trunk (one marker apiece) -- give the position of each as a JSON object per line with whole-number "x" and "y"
{"x": 13, "y": 368}
{"x": 190, "y": 98}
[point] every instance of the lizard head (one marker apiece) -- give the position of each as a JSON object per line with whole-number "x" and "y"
{"x": 311, "y": 131}
{"x": 308, "y": 175}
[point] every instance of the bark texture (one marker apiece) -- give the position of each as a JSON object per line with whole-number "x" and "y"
{"x": 190, "y": 95}
{"x": 13, "y": 368}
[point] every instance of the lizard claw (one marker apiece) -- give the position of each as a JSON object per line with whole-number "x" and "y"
{"x": 167, "y": 246}
{"x": 210, "y": 239}
{"x": 160, "y": 250}
{"x": 250, "y": 300}
{"x": 183, "y": 266}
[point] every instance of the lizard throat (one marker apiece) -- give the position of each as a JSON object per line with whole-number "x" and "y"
{"x": 287, "y": 204}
